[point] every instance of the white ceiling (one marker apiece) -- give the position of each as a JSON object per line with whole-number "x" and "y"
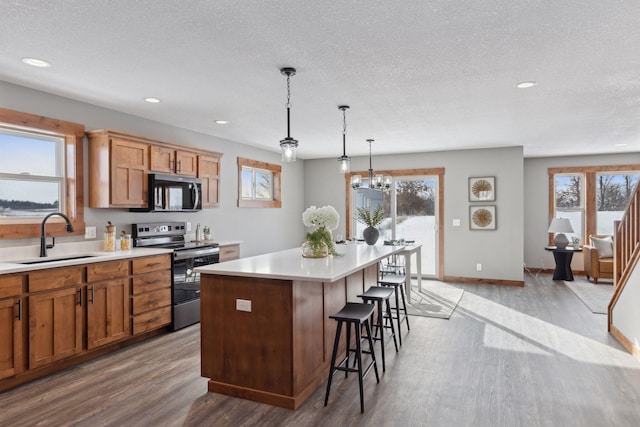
{"x": 425, "y": 75}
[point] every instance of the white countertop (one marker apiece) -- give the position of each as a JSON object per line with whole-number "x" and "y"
{"x": 291, "y": 265}
{"x": 91, "y": 257}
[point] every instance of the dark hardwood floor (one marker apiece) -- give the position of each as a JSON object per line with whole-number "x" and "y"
{"x": 532, "y": 356}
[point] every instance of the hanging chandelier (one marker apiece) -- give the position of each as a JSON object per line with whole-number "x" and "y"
{"x": 288, "y": 145}
{"x": 378, "y": 182}
{"x": 344, "y": 162}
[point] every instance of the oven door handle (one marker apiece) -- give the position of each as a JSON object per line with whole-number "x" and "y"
{"x": 179, "y": 255}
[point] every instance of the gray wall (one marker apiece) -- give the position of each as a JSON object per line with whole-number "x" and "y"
{"x": 521, "y": 215}
{"x": 261, "y": 230}
{"x": 536, "y": 202}
{"x": 499, "y": 252}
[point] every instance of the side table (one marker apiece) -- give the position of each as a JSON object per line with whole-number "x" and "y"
{"x": 563, "y": 259}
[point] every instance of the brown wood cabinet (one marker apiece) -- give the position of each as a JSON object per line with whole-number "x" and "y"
{"x": 169, "y": 160}
{"x": 209, "y": 173}
{"x": 118, "y": 166}
{"x": 151, "y": 293}
{"x": 107, "y": 302}
{"x": 11, "y": 315}
{"x": 74, "y": 313}
{"x": 55, "y": 325}
{"x": 229, "y": 252}
{"x": 186, "y": 163}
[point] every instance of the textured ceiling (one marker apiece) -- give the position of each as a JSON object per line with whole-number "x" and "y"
{"x": 418, "y": 75}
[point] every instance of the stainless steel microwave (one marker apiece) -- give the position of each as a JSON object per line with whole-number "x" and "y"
{"x": 173, "y": 193}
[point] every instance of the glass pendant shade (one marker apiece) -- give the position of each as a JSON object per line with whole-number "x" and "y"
{"x": 356, "y": 181}
{"x": 344, "y": 164}
{"x": 288, "y": 146}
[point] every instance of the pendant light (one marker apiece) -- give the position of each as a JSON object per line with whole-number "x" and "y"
{"x": 288, "y": 145}
{"x": 377, "y": 181}
{"x": 344, "y": 162}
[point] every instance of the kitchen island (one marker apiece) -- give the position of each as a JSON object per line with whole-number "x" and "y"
{"x": 265, "y": 327}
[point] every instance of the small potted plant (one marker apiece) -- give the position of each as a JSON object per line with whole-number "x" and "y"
{"x": 206, "y": 231}
{"x": 371, "y": 220}
{"x": 576, "y": 242}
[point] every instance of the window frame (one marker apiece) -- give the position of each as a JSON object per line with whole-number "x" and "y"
{"x": 73, "y": 136}
{"x": 58, "y": 178}
{"x": 276, "y": 171}
{"x": 589, "y": 192}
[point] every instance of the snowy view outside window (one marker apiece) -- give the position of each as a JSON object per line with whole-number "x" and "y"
{"x": 569, "y": 199}
{"x": 409, "y": 209}
{"x": 613, "y": 191}
{"x": 257, "y": 184}
{"x": 31, "y": 174}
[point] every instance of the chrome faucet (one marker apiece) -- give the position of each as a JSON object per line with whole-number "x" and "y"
{"x": 43, "y": 238}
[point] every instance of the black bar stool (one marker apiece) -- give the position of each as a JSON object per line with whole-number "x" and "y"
{"x": 381, "y": 294}
{"x": 357, "y": 314}
{"x": 397, "y": 281}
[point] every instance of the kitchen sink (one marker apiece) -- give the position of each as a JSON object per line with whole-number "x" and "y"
{"x": 43, "y": 260}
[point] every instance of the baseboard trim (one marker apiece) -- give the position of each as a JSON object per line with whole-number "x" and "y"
{"x": 478, "y": 281}
{"x": 626, "y": 343}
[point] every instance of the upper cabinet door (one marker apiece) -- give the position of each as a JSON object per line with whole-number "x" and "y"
{"x": 128, "y": 173}
{"x": 163, "y": 159}
{"x": 209, "y": 172}
{"x": 186, "y": 163}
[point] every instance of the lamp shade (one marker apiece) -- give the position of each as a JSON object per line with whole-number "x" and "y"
{"x": 560, "y": 225}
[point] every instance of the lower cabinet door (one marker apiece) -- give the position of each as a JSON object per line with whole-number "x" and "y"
{"x": 10, "y": 337}
{"x": 55, "y": 326}
{"x": 107, "y": 312}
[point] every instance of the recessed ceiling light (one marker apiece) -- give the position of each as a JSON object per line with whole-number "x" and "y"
{"x": 525, "y": 85}
{"x": 621, "y": 145}
{"x": 34, "y": 62}
{"x": 222, "y": 122}
{"x": 152, "y": 100}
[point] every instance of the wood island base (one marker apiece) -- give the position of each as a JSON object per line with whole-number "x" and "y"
{"x": 277, "y": 351}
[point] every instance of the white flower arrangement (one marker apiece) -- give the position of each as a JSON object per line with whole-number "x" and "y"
{"x": 326, "y": 216}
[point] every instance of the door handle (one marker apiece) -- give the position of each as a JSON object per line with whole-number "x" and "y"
{"x": 19, "y": 304}
{"x": 79, "y": 295}
{"x": 92, "y": 294}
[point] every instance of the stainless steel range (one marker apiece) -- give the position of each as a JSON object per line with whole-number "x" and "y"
{"x": 185, "y": 287}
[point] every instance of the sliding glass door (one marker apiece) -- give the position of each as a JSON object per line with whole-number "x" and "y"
{"x": 411, "y": 211}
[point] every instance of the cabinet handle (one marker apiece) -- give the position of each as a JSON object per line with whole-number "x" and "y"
{"x": 92, "y": 295}
{"x": 153, "y": 319}
{"x": 19, "y": 304}
{"x": 153, "y": 264}
{"x": 172, "y": 164}
{"x": 79, "y": 295}
{"x": 153, "y": 282}
{"x": 179, "y": 166}
{"x": 152, "y": 301}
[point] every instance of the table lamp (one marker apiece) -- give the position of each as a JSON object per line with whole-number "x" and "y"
{"x": 560, "y": 226}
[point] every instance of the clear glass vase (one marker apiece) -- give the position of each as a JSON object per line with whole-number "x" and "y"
{"x": 317, "y": 251}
